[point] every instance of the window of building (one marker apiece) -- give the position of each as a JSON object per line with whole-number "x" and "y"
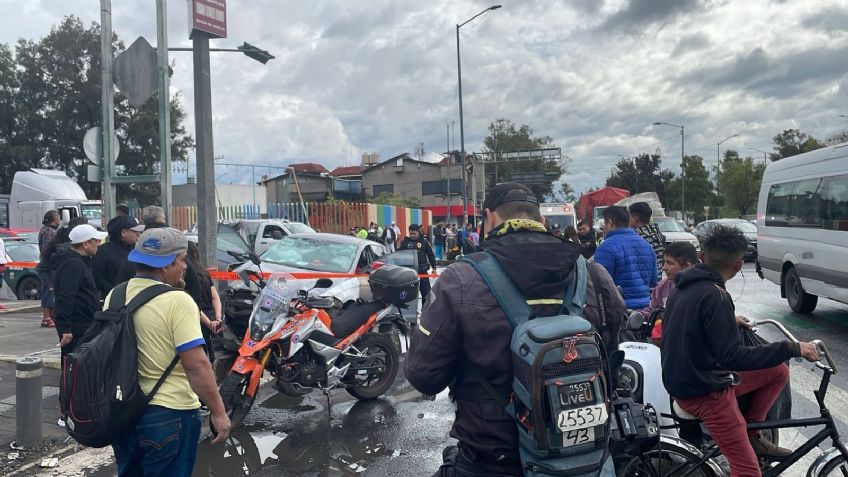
{"x": 441, "y": 187}
{"x": 380, "y": 188}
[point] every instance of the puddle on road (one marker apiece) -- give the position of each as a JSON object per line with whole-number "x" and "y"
{"x": 314, "y": 445}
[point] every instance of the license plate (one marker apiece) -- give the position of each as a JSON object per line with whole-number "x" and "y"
{"x": 579, "y": 436}
{"x": 576, "y": 395}
{"x": 582, "y": 418}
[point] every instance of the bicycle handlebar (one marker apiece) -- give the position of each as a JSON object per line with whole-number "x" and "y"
{"x": 820, "y": 346}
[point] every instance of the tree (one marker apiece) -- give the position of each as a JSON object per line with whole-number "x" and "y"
{"x": 699, "y": 188}
{"x": 387, "y": 198}
{"x": 505, "y": 136}
{"x": 639, "y": 174}
{"x": 840, "y": 137}
{"x": 740, "y": 186}
{"x": 57, "y": 99}
{"x": 792, "y": 142}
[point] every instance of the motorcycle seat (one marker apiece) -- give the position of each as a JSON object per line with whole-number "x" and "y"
{"x": 352, "y": 317}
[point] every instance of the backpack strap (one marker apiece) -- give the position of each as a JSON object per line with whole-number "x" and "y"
{"x": 510, "y": 300}
{"x": 137, "y": 302}
{"x": 575, "y": 294}
{"x": 118, "y": 298}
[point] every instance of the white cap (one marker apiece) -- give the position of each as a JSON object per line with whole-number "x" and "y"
{"x": 84, "y": 233}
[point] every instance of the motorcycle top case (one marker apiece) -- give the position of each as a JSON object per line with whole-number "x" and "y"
{"x": 394, "y": 285}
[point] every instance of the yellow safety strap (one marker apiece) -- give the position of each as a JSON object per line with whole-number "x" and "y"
{"x": 545, "y": 301}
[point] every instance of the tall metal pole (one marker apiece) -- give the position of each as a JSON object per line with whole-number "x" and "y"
{"x": 164, "y": 106}
{"x": 207, "y": 217}
{"x": 107, "y": 100}
{"x": 718, "y": 174}
{"x": 450, "y": 157}
{"x": 683, "y": 173}
{"x": 461, "y": 135}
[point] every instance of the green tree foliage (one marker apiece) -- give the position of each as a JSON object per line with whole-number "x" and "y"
{"x": 840, "y": 137}
{"x": 640, "y": 174}
{"x": 50, "y": 96}
{"x": 740, "y": 185}
{"x": 792, "y": 142}
{"x": 699, "y": 189}
{"x": 505, "y": 136}
{"x": 387, "y": 198}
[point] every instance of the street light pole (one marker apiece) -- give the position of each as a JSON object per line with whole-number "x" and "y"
{"x": 461, "y": 122}
{"x": 718, "y": 165}
{"x": 765, "y": 154}
{"x": 682, "y": 164}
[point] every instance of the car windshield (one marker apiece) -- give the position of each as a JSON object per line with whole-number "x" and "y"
{"x": 312, "y": 254}
{"x": 670, "y": 226}
{"x": 22, "y": 252}
{"x": 92, "y": 212}
{"x": 299, "y": 228}
{"x": 231, "y": 242}
{"x": 562, "y": 220}
{"x": 745, "y": 227}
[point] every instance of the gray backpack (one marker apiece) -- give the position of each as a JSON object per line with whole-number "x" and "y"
{"x": 559, "y": 392}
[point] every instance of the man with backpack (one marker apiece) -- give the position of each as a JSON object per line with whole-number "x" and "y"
{"x": 164, "y": 440}
{"x": 464, "y": 334}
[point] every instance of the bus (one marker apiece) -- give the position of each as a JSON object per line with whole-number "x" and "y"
{"x": 802, "y": 227}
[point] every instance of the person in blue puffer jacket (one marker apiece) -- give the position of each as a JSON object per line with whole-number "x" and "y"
{"x": 628, "y": 258}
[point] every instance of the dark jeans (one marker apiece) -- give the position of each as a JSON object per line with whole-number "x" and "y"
{"x": 163, "y": 443}
{"x": 424, "y": 286}
{"x": 461, "y": 463}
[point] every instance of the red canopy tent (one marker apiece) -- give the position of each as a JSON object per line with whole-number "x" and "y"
{"x": 600, "y": 197}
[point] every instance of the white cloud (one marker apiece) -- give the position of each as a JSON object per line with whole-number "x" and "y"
{"x": 380, "y": 75}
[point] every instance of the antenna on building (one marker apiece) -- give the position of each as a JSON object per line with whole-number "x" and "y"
{"x": 419, "y": 150}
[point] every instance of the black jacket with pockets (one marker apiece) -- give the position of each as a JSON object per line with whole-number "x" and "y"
{"x": 701, "y": 343}
{"x": 77, "y": 297}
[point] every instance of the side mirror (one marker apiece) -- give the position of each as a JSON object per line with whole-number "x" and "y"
{"x": 66, "y": 216}
{"x": 635, "y": 321}
{"x": 323, "y": 283}
{"x": 254, "y": 258}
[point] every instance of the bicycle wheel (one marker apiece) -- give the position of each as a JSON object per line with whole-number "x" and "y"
{"x": 836, "y": 467}
{"x": 670, "y": 460}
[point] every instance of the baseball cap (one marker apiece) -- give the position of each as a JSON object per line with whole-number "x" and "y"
{"x": 122, "y": 222}
{"x": 157, "y": 248}
{"x": 84, "y": 233}
{"x": 509, "y": 192}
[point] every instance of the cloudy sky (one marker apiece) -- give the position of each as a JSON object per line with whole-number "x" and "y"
{"x": 355, "y": 76}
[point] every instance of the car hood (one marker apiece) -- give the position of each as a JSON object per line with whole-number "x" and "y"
{"x": 679, "y": 237}
{"x": 344, "y": 289}
{"x": 751, "y": 236}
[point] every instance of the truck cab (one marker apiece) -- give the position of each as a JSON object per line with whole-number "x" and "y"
{"x": 36, "y": 191}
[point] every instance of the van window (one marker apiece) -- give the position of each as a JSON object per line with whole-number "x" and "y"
{"x": 795, "y": 204}
{"x": 835, "y": 203}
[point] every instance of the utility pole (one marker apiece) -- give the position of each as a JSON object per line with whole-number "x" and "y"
{"x": 682, "y": 173}
{"x": 107, "y": 100}
{"x": 164, "y": 106}
{"x": 450, "y": 157}
{"x": 207, "y": 217}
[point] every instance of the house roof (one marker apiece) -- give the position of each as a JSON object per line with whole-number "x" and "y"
{"x": 347, "y": 171}
{"x": 405, "y": 156}
{"x": 308, "y": 167}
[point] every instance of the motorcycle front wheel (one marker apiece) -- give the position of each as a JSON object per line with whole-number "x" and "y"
{"x": 236, "y": 400}
{"x": 371, "y": 375}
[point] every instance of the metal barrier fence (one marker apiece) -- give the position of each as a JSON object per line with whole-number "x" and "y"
{"x": 335, "y": 217}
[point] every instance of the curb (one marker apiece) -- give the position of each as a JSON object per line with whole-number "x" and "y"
{"x": 23, "y": 309}
{"x": 47, "y": 362}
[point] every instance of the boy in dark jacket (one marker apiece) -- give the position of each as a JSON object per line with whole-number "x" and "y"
{"x": 77, "y": 298}
{"x": 628, "y": 258}
{"x": 701, "y": 348}
{"x": 123, "y": 234}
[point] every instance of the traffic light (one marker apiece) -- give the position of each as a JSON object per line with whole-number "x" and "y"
{"x": 251, "y": 51}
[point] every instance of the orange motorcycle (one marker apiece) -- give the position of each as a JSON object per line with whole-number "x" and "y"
{"x": 291, "y": 335}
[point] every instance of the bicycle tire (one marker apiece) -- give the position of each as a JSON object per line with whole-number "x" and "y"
{"x": 669, "y": 460}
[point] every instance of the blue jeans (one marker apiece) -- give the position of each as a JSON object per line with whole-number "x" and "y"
{"x": 163, "y": 443}
{"x": 439, "y": 250}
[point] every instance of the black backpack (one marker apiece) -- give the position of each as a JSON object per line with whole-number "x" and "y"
{"x": 99, "y": 395}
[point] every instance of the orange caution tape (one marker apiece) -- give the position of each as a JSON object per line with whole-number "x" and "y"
{"x": 21, "y": 264}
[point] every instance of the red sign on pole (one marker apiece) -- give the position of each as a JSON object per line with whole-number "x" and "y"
{"x": 208, "y": 16}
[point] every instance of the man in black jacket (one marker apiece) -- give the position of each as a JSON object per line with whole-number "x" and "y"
{"x": 702, "y": 349}
{"x": 416, "y": 241}
{"x": 77, "y": 298}
{"x": 463, "y": 336}
{"x": 587, "y": 237}
{"x": 123, "y": 234}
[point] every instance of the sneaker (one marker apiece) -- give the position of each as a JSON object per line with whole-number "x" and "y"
{"x": 61, "y": 422}
{"x": 48, "y": 323}
{"x": 765, "y": 448}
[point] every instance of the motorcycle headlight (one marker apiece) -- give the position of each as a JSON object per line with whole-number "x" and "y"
{"x": 630, "y": 379}
{"x": 259, "y": 330}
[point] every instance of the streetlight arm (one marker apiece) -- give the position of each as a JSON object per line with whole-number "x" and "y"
{"x": 668, "y": 124}
{"x": 460, "y": 25}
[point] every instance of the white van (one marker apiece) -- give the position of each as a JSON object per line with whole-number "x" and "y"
{"x": 562, "y": 214}
{"x": 802, "y": 227}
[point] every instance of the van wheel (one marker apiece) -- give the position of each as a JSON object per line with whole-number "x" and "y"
{"x": 799, "y": 300}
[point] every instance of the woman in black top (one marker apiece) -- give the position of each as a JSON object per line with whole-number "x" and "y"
{"x": 205, "y": 295}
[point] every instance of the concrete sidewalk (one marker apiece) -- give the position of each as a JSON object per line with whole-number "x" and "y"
{"x": 21, "y": 334}
{"x": 20, "y": 306}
